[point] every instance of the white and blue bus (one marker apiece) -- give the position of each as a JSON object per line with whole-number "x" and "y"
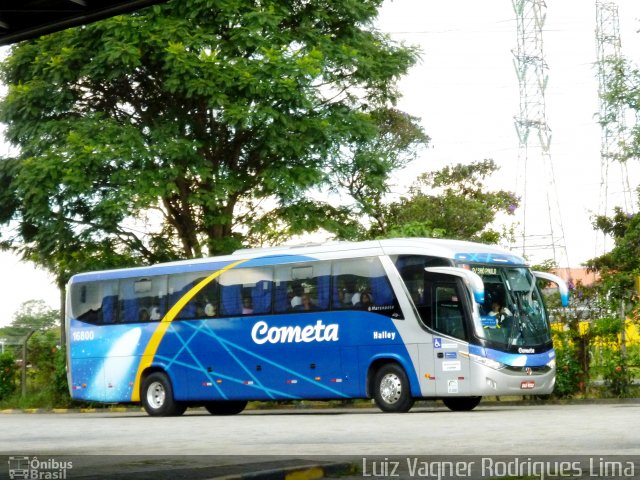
{"x": 393, "y": 320}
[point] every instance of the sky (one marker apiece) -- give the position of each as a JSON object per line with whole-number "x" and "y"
{"x": 465, "y": 91}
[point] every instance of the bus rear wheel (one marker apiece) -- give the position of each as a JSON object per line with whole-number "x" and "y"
{"x": 391, "y": 389}
{"x": 230, "y": 407}
{"x": 461, "y": 404}
{"x": 157, "y": 396}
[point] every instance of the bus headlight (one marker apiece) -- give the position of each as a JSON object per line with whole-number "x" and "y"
{"x": 552, "y": 363}
{"x": 487, "y": 362}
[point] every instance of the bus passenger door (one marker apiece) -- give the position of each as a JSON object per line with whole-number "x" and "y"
{"x": 439, "y": 301}
{"x": 450, "y": 345}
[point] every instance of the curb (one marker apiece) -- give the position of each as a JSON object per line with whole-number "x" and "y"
{"x": 290, "y": 469}
{"x": 301, "y": 472}
{"x": 61, "y": 411}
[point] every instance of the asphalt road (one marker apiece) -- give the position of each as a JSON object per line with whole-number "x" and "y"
{"x": 263, "y": 436}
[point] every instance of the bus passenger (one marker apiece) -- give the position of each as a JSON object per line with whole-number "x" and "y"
{"x": 209, "y": 310}
{"x": 155, "y": 314}
{"x": 143, "y": 315}
{"x": 247, "y": 306}
{"x": 306, "y": 302}
{"x": 342, "y": 299}
{"x": 296, "y": 300}
{"x": 365, "y": 302}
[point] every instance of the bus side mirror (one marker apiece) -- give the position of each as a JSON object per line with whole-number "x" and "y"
{"x": 562, "y": 286}
{"x": 472, "y": 280}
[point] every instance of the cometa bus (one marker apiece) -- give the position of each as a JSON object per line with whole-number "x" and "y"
{"x": 393, "y": 320}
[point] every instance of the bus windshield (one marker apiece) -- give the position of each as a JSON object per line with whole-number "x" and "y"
{"x": 512, "y": 315}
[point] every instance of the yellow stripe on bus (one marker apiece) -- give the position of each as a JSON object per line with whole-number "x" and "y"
{"x": 156, "y": 338}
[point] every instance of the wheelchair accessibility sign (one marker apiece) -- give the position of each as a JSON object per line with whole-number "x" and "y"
{"x": 438, "y": 342}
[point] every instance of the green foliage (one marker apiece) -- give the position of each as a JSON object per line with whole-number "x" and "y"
{"x": 569, "y": 374}
{"x": 35, "y": 315}
{"x": 623, "y": 88}
{"x": 163, "y": 134}
{"x": 364, "y": 172}
{"x": 577, "y": 329}
{"x": 416, "y": 229}
{"x": 615, "y": 372}
{"x": 621, "y": 265}
{"x": 8, "y": 375}
{"x": 546, "y": 266}
{"x": 452, "y": 202}
{"x": 46, "y": 374}
{"x": 590, "y": 356}
{"x": 606, "y": 329}
{"x": 59, "y": 383}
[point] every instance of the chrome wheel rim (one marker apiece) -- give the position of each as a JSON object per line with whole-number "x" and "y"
{"x": 156, "y": 395}
{"x": 390, "y": 388}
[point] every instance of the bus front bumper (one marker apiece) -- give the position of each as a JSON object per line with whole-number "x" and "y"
{"x": 513, "y": 381}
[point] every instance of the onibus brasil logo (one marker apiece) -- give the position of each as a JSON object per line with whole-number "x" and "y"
{"x": 38, "y": 469}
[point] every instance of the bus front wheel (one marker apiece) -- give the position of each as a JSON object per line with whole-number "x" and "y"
{"x": 391, "y": 389}
{"x": 230, "y": 407}
{"x": 157, "y": 396}
{"x": 461, "y": 404}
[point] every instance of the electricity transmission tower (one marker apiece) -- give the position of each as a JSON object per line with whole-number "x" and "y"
{"x": 613, "y": 169}
{"x": 542, "y": 233}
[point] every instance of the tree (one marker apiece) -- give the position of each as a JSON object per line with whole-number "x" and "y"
{"x": 163, "y": 134}
{"x": 452, "y": 202}
{"x": 362, "y": 170}
{"x": 619, "y": 267}
{"x": 623, "y": 89}
{"x": 36, "y": 324}
{"x": 32, "y": 316}
{"x": 618, "y": 270}
{"x": 365, "y": 172}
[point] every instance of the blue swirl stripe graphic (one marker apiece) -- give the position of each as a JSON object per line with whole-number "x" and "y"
{"x": 193, "y": 362}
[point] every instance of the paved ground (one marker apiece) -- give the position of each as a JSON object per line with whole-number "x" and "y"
{"x": 198, "y": 445}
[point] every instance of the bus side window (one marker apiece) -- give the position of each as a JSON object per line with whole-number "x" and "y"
{"x": 449, "y": 313}
{"x": 419, "y": 283}
{"x": 246, "y": 291}
{"x": 423, "y": 302}
{"x": 231, "y": 302}
{"x": 109, "y": 308}
{"x": 363, "y": 284}
{"x": 143, "y": 299}
{"x": 302, "y": 287}
{"x": 95, "y": 302}
{"x": 261, "y": 296}
{"x": 203, "y": 304}
{"x": 282, "y": 301}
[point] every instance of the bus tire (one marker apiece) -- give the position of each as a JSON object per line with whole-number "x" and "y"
{"x": 461, "y": 404}
{"x": 228, "y": 407}
{"x": 391, "y": 389}
{"x": 157, "y": 396}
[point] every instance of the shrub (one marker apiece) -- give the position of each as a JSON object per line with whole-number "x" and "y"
{"x": 8, "y": 374}
{"x": 569, "y": 375}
